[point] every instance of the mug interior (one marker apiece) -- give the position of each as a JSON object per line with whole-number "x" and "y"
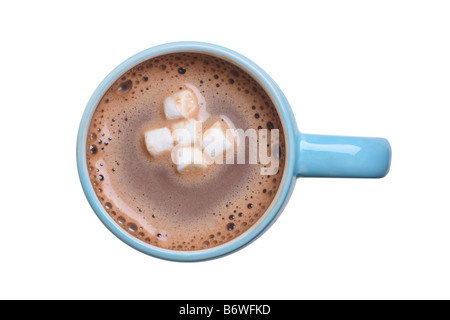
{"x": 287, "y": 181}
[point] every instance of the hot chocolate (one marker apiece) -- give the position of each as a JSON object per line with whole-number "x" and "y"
{"x": 130, "y": 158}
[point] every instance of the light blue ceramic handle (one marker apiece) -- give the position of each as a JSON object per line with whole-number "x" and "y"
{"x": 342, "y": 157}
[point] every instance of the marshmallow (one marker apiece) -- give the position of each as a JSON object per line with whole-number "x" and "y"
{"x": 215, "y": 142}
{"x": 184, "y": 132}
{"x": 187, "y": 158}
{"x": 158, "y": 140}
{"x": 182, "y": 104}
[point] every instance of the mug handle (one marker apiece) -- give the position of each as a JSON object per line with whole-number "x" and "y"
{"x": 342, "y": 157}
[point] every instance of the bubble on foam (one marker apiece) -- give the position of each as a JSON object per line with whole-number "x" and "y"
{"x": 124, "y": 87}
{"x": 93, "y": 149}
{"x": 132, "y": 227}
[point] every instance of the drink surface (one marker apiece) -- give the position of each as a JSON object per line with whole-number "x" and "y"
{"x": 145, "y": 194}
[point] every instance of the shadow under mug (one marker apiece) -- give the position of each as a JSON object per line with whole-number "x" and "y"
{"x": 307, "y": 155}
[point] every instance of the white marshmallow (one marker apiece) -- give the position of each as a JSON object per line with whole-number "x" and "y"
{"x": 184, "y": 132}
{"x": 182, "y": 104}
{"x": 158, "y": 140}
{"x": 215, "y": 141}
{"x": 188, "y": 158}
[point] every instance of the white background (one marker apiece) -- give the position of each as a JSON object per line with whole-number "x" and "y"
{"x": 365, "y": 68}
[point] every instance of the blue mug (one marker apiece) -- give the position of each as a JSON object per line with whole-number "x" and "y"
{"x": 307, "y": 155}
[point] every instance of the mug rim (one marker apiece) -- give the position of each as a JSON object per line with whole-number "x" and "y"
{"x": 286, "y": 185}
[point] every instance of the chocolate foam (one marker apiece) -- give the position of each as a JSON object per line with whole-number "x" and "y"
{"x": 146, "y": 196}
